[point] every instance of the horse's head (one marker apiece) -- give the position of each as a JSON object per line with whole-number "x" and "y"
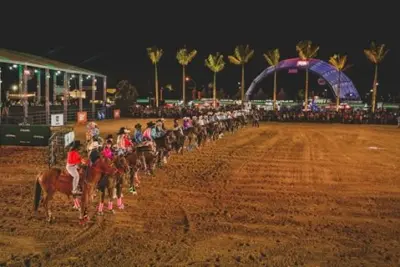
{"x": 121, "y": 163}
{"x": 105, "y": 166}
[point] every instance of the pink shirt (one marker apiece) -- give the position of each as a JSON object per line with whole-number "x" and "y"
{"x": 107, "y": 152}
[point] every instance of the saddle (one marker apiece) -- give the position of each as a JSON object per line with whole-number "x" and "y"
{"x": 144, "y": 148}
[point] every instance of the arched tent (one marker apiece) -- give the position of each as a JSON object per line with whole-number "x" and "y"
{"x": 320, "y": 67}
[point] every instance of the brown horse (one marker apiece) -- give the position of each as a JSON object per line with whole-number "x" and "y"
{"x": 134, "y": 163}
{"x": 111, "y": 182}
{"x": 54, "y": 180}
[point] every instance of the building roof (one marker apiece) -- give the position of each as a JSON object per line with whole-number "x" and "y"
{"x": 13, "y": 57}
{"x": 320, "y": 67}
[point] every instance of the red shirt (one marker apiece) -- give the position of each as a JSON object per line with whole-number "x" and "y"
{"x": 73, "y": 157}
{"x": 127, "y": 141}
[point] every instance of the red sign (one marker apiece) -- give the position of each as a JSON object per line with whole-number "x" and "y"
{"x": 82, "y": 117}
{"x": 321, "y": 81}
{"x": 117, "y": 113}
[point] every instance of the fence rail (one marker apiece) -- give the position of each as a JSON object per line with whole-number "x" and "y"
{"x": 57, "y": 149}
{"x": 39, "y": 117}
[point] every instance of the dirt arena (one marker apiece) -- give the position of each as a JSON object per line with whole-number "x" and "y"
{"x": 280, "y": 195}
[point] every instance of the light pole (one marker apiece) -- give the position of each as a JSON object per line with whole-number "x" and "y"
{"x": 188, "y": 79}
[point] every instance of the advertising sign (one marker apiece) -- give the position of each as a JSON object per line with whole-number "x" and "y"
{"x": 82, "y": 117}
{"x": 15, "y": 135}
{"x": 117, "y": 113}
{"x": 57, "y": 119}
{"x": 69, "y": 138}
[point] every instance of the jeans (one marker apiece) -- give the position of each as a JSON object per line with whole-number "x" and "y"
{"x": 73, "y": 171}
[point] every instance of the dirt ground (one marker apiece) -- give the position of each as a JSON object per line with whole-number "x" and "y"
{"x": 280, "y": 195}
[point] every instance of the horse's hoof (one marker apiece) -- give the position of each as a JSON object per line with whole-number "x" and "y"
{"x": 111, "y": 211}
{"x": 100, "y": 213}
{"x": 134, "y": 193}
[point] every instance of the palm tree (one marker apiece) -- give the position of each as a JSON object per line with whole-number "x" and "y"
{"x": 307, "y": 50}
{"x": 215, "y": 63}
{"x": 155, "y": 55}
{"x": 241, "y": 56}
{"x": 375, "y": 54}
{"x": 184, "y": 57}
{"x": 272, "y": 57}
{"x": 340, "y": 64}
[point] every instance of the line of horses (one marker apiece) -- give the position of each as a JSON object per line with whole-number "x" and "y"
{"x": 109, "y": 175}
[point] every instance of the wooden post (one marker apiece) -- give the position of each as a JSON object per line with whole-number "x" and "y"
{"x": 47, "y": 95}
{"x": 80, "y": 93}
{"x": 93, "y": 97}
{"x": 38, "y": 87}
{"x": 66, "y": 95}
{"x": 25, "y": 86}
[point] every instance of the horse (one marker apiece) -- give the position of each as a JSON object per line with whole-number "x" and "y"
{"x": 163, "y": 146}
{"x": 191, "y": 136}
{"x": 179, "y": 140}
{"x": 147, "y": 157}
{"x": 135, "y": 163}
{"x": 111, "y": 182}
{"x": 55, "y": 179}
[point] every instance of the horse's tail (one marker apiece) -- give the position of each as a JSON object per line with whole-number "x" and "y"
{"x": 37, "y": 193}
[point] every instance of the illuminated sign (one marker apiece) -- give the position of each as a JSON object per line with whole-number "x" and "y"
{"x": 302, "y": 63}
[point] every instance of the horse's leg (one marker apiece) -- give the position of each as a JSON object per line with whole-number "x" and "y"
{"x": 46, "y": 204}
{"x": 77, "y": 204}
{"x": 110, "y": 190}
{"x": 119, "y": 195}
{"x": 101, "y": 204}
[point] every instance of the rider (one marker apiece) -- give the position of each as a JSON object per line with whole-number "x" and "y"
{"x": 94, "y": 153}
{"x": 186, "y": 123}
{"x": 107, "y": 151}
{"x": 148, "y": 136}
{"x": 123, "y": 142}
{"x": 73, "y": 161}
{"x": 138, "y": 135}
{"x": 158, "y": 130}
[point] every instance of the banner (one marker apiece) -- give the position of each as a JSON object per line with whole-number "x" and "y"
{"x": 117, "y": 113}
{"x": 69, "y": 138}
{"x": 82, "y": 117}
{"x": 15, "y": 135}
{"x": 57, "y": 119}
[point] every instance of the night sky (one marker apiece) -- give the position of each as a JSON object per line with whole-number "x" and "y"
{"x": 114, "y": 42}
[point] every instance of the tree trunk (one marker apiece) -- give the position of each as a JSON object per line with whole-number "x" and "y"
{"x": 183, "y": 85}
{"x": 242, "y": 90}
{"x": 274, "y": 97}
{"x": 374, "y": 89}
{"x": 338, "y": 93}
{"x": 306, "y": 92}
{"x": 156, "y": 84}
{"x": 215, "y": 90}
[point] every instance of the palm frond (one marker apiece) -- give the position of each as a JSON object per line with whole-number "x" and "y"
{"x": 234, "y": 60}
{"x": 376, "y": 53}
{"x": 184, "y": 56}
{"x": 241, "y": 55}
{"x": 154, "y": 54}
{"x": 272, "y": 57}
{"x": 306, "y": 49}
{"x": 215, "y": 62}
{"x": 338, "y": 62}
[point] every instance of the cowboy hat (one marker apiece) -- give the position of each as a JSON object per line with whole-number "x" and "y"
{"x": 121, "y": 131}
{"x": 150, "y": 124}
{"x": 138, "y": 125}
{"x": 94, "y": 145}
{"x": 109, "y": 136}
{"x": 76, "y": 144}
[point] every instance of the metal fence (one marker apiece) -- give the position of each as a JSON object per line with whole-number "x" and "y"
{"x": 57, "y": 149}
{"x": 39, "y": 117}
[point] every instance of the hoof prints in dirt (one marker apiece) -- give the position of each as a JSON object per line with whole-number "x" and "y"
{"x": 268, "y": 196}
